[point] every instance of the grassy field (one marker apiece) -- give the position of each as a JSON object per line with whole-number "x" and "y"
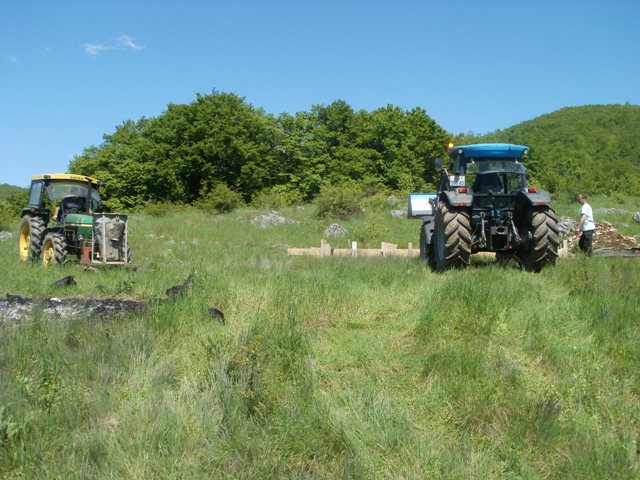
{"x": 325, "y": 368}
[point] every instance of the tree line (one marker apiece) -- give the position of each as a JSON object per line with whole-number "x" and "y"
{"x": 219, "y": 139}
{"x": 221, "y": 144}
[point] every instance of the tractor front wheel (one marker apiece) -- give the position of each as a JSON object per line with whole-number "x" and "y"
{"x": 54, "y": 250}
{"x": 30, "y": 240}
{"x": 543, "y": 249}
{"x": 452, "y": 238}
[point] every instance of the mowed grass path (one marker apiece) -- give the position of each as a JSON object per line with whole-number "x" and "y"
{"x": 324, "y": 368}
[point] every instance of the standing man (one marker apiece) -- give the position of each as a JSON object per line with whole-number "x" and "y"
{"x": 586, "y": 225}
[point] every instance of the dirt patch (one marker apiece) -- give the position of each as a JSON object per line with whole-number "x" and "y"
{"x": 606, "y": 236}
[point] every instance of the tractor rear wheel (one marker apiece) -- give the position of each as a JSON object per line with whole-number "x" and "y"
{"x": 543, "y": 249}
{"x": 30, "y": 241}
{"x": 452, "y": 238}
{"x": 54, "y": 250}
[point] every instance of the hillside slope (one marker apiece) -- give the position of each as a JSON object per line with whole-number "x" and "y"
{"x": 595, "y": 148}
{"x": 7, "y": 190}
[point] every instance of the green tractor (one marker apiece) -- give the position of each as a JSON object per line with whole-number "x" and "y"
{"x": 60, "y": 222}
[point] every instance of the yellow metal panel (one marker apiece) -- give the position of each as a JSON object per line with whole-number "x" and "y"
{"x": 66, "y": 176}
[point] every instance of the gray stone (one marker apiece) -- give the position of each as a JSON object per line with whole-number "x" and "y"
{"x": 270, "y": 219}
{"x": 567, "y": 225}
{"x": 335, "y": 230}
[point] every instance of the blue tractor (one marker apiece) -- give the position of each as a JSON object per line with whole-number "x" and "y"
{"x": 484, "y": 204}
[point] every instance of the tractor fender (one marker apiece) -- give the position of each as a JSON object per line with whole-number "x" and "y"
{"x": 538, "y": 198}
{"x": 456, "y": 199}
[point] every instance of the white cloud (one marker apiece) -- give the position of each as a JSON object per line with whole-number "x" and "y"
{"x": 123, "y": 42}
{"x": 129, "y": 43}
{"x": 94, "y": 49}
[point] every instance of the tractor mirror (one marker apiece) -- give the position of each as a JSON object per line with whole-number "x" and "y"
{"x": 438, "y": 163}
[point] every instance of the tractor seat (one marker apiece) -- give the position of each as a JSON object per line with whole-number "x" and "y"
{"x": 487, "y": 182}
{"x": 72, "y": 204}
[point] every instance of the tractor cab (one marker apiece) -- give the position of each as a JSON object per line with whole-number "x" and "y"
{"x": 490, "y": 168}
{"x": 58, "y": 195}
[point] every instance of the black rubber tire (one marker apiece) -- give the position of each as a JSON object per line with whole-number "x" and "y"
{"x": 54, "y": 250}
{"x": 30, "y": 238}
{"x": 451, "y": 241}
{"x": 543, "y": 249}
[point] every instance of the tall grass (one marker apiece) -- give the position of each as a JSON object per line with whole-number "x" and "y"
{"x": 324, "y": 368}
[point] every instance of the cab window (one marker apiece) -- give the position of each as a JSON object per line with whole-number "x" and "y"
{"x": 36, "y": 193}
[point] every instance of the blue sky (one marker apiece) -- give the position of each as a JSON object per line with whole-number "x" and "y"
{"x": 71, "y": 71}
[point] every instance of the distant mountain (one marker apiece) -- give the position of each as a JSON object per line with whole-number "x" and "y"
{"x": 593, "y": 148}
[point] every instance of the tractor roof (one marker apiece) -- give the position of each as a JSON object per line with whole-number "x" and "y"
{"x": 489, "y": 150}
{"x": 67, "y": 176}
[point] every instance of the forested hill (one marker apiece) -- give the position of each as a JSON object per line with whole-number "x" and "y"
{"x": 595, "y": 148}
{"x": 7, "y": 191}
{"x": 219, "y": 142}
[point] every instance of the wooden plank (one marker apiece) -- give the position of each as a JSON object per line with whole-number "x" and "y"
{"x": 326, "y": 250}
{"x": 388, "y": 248}
{"x": 315, "y": 251}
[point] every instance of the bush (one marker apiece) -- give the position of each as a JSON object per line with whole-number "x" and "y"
{"x": 159, "y": 209}
{"x": 114, "y": 205}
{"x": 276, "y": 197}
{"x": 378, "y": 201}
{"x": 221, "y": 199}
{"x": 343, "y": 202}
{"x": 10, "y": 209}
{"x": 6, "y": 219}
{"x": 373, "y": 231}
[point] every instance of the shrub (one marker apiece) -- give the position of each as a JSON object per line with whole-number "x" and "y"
{"x": 10, "y": 209}
{"x": 221, "y": 199}
{"x": 114, "y": 205}
{"x": 374, "y": 230}
{"x": 276, "y": 197}
{"x": 340, "y": 201}
{"x": 6, "y": 219}
{"x": 159, "y": 209}
{"x": 380, "y": 201}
